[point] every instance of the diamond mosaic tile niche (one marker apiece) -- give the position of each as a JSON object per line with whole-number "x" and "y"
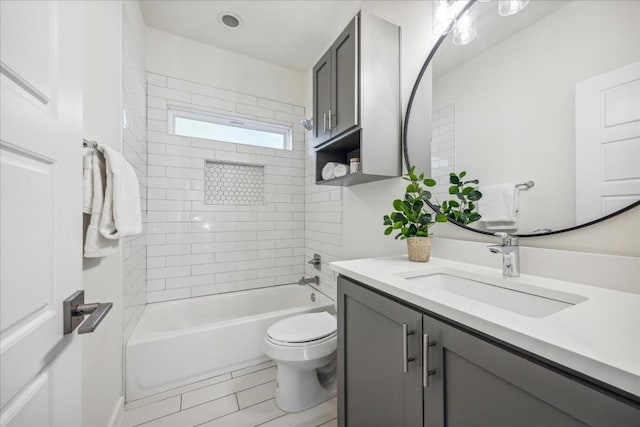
{"x": 233, "y": 184}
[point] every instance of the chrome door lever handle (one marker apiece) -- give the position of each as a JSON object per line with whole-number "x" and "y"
{"x": 98, "y": 313}
{"x": 74, "y": 310}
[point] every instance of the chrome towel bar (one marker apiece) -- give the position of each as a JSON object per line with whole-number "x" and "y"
{"x": 88, "y": 143}
{"x": 525, "y": 185}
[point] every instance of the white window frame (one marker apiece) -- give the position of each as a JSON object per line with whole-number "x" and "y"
{"x": 203, "y": 116}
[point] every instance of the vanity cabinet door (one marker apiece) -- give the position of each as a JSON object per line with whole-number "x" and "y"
{"x": 379, "y": 360}
{"x": 344, "y": 84}
{"x": 475, "y": 382}
{"x": 322, "y": 98}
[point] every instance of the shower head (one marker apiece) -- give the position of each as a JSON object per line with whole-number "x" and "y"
{"x": 307, "y": 123}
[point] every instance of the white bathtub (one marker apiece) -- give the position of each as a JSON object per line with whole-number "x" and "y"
{"x": 179, "y": 342}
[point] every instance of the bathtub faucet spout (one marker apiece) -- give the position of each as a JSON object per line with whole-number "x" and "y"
{"x": 314, "y": 279}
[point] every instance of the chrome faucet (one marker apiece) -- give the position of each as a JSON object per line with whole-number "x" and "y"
{"x": 510, "y": 254}
{"x": 314, "y": 279}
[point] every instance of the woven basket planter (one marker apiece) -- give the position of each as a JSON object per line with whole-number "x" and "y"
{"x": 419, "y": 248}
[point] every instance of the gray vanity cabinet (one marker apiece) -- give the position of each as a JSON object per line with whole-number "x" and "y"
{"x": 475, "y": 382}
{"x": 454, "y": 377}
{"x": 379, "y": 360}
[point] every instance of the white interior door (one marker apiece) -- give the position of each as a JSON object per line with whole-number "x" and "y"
{"x": 607, "y": 142}
{"x": 40, "y": 210}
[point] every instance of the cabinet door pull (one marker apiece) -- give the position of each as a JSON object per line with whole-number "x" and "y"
{"x": 405, "y": 348}
{"x": 426, "y": 372}
{"x": 324, "y": 123}
{"x": 330, "y": 120}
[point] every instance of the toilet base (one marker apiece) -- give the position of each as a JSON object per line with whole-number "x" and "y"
{"x": 297, "y": 389}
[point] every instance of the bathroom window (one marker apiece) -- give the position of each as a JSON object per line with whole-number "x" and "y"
{"x": 228, "y": 129}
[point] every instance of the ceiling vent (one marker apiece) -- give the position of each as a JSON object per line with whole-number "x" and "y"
{"x": 230, "y": 20}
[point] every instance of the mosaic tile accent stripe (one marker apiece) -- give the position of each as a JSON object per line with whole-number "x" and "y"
{"x": 233, "y": 184}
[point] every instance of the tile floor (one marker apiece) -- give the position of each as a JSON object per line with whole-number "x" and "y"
{"x": 243, "y": 398}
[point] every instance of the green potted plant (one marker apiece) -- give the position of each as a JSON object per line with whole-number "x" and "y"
{"x": 462, "y": 209}
{"x": 411, "y": 217}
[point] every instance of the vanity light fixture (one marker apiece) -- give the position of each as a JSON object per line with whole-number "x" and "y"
{"x": 443, "y": 16}
{"x": 230, "y": 20}
{"x": 464, "y": 26}
{"x": 511, "y": 7}
{"x": 465, "y": 30}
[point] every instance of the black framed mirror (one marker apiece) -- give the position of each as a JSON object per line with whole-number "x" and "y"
{"x": 545, "y": 101}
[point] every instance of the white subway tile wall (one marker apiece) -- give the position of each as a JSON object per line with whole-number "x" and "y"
{"x": 196, "y": 248}
{"x": 443, "y": 146}
{"x": 134, "y": 270}
{"x": 323, "y": 224}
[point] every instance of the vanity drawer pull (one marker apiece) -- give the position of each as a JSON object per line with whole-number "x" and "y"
{"x": 405, "y": 348}
{"x": 426, "y": 372}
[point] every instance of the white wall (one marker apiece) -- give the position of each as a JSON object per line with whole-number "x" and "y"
{"x": 344, "y": 223}
{"x": 515, "y": 103}
{"x": 175, "y": 56}
{"x": 102, "y": 277}
{"x": 364, "y": 205}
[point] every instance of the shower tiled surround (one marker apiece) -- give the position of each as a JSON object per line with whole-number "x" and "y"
{"x": 134, "y": 269}
{"x": 196, "y": 248}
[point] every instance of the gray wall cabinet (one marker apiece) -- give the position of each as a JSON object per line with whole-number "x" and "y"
{"x": 335, "y": 90}
{"x": 322, "y": 98}
{"x": 356, "y": 101}
{"x": 454, "y": 376}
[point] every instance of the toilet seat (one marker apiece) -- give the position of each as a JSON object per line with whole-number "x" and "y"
{"x": 304, "y": 343}
{"x": 301, "y": 338}
{"x": 303, "y": 329}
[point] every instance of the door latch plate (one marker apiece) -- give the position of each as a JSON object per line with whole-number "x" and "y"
{"x": 69, "y": 307}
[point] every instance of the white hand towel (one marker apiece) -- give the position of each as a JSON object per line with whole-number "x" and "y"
{"x": 121, "y": 214}
{"x": 333, "y": 170}
{"x": 499, "y": 206}
{"x": 87, "y": 179}
{"x": 329, "y": 170}
{"x": 341, "y": 170}
{"x": 95, "y": 245}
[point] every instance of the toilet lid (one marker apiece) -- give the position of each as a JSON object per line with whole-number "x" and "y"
{"x": 303, "y": 328}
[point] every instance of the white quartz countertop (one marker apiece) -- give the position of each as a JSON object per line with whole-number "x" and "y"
{"x": 599, "y": 337}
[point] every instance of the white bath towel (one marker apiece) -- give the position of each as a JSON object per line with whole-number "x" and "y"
{"x": 121, "y": 214}
{"x": 87, "y": 179}
{"x": 499, "y": 206}
{"x": 95, "y": 245}
{"x": 333, "y": 170}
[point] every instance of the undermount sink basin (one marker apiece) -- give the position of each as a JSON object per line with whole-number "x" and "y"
{"x": 516, "y": 297}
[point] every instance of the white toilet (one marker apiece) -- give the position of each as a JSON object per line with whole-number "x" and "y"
{"x": 304, "y": 347}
